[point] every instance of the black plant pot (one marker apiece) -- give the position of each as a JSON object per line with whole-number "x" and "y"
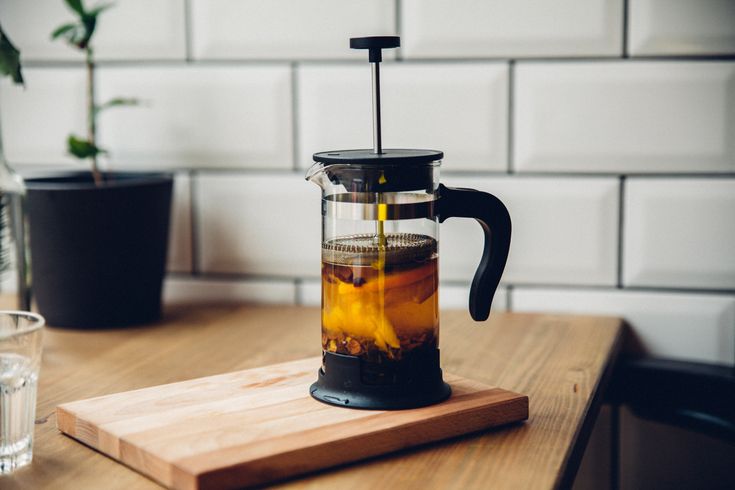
{"x": 98, "y": 253}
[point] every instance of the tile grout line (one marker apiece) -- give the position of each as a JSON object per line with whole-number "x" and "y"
{"x": 621, "y": 227}
{"x": 194, "y": 220}
{"x": 294, "y": 117}
{"x": 630, "y": 289}
{"x": 28, "y": 168}
{"x": 511, "y": 116}
{"x": 187, "y": 32}
{"x": 50, "y": 63}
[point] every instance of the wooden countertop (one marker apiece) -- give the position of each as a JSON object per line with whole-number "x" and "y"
{"x": 562, "y": 362}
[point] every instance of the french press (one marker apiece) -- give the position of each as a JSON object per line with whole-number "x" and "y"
{"x": 381, "y": 210}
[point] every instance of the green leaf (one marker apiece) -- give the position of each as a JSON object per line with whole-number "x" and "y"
{"x": 64, "y": 30}
{"x": 74, "y": 34}
{"x": 76, "y": 6}
{"x": 9, "y": 59}
{"x": 82, "y": 148}
{"x": 89, "y": 24}
{"x": 80, "y": 35}
{"x": 117, "y": 102}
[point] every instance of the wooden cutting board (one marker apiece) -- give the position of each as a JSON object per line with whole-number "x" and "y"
{"x": 259, "y": 425}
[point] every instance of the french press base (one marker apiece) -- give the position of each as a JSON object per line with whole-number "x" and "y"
{"x": 352, "y": 382}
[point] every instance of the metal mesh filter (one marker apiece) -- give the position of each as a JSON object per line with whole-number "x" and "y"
{"x": 400, "y": 248}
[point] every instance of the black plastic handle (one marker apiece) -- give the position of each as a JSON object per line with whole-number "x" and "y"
{"x": 493, "y": 216}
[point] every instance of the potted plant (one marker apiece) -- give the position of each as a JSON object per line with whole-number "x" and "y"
{"x": 98, "y": 239}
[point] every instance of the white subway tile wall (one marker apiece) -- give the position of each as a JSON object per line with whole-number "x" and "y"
{"x": 179, "y": 248}
{"x": 681, "y": 27}
{"x": 133, "y": 29}
{"x": 194, "y": 290}
{"x": 198, "y": 116}
{"x": 266, "y": 225}
{"x": 511, "y": 28}
{"x": 421, "y": 107}
{"x": 679, "y": 233}
{"x": 286, "y": 29}
{"x": 619, "y": 172}
{"x": 565, "y": 231}
{"x": 37, "y": 119}
{"x": 685, "y": 326}
{"x": 454, "y": 296}
{"x": 625, "y": 117}
{"x": 309, "y": 292}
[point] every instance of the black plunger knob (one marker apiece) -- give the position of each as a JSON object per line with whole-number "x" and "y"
{"x": 375, "y": 44}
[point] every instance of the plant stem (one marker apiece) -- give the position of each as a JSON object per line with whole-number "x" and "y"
{"x": 92, "y": 115}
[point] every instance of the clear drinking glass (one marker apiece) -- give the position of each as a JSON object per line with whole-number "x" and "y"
{"x": 20, "y": 360}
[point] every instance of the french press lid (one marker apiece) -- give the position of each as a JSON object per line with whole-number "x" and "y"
{"x": 379, "y": 169}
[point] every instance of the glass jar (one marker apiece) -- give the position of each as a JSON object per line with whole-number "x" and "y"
{"x": 380, "y": 273}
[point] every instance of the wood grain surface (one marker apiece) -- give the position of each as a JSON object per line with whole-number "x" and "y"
{"x": 258, "y": 425}
{"x": 560, "y": 362}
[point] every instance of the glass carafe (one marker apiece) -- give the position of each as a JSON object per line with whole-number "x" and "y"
{"x": 380, "y": 273}
{"x": 379, "y": 265}
{"x": 381, "y": 210}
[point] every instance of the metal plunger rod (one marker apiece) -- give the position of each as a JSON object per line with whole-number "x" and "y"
{"x": 377, "y": 136}
{"x": 375, "y": 45}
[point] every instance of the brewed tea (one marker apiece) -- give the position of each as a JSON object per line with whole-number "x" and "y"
{"x": 380, "y": 302}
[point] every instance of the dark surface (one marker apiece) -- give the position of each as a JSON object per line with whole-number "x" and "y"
{"x": 375, "y": 44}
{"x": 349, "y": 381}
{"x": 694, "y": 396}
{"x": 393, "y": 170}
{"x": 99, "y": 253}
{"x": 656, "y": 455}
{"x": 388, "y": 157}
{"x": 494, "y": 218}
